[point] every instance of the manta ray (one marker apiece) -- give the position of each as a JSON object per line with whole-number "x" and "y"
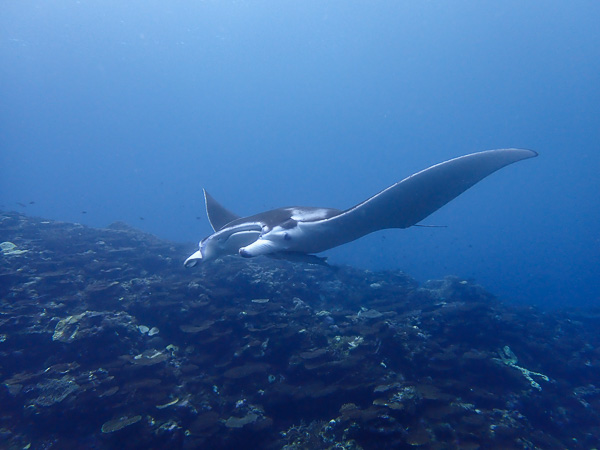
{"x": 299, "y": 231}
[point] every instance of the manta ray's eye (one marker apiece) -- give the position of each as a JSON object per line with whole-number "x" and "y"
{"x": 287, "y": 237}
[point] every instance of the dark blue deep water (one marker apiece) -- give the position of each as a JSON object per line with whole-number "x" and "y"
{"x": 125, "y": 110}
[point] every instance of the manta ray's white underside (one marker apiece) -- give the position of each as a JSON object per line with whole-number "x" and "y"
{"x": 306, "y": 230}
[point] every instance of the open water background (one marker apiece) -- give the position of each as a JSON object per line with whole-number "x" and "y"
{"x": 125, "y": 110}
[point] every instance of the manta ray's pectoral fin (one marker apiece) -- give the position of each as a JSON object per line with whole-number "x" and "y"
{"x": 411, "y": 200}
{"x": 218, "y": 215}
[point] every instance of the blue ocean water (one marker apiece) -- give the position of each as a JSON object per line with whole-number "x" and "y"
{"x": 125, "y": 110}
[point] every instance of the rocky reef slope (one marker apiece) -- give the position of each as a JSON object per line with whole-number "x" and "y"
{"x": 106, "y": 341}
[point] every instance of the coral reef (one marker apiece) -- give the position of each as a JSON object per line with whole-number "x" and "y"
{"x": 107, "y": 341}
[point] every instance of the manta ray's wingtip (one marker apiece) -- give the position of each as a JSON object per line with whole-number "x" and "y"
{"x": 218, "y": 215}
{"x": 207, "y": 196}
{"x": 525, "y": 152}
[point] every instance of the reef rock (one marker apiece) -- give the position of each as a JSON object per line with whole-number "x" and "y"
{"x": 107, "y": 341}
